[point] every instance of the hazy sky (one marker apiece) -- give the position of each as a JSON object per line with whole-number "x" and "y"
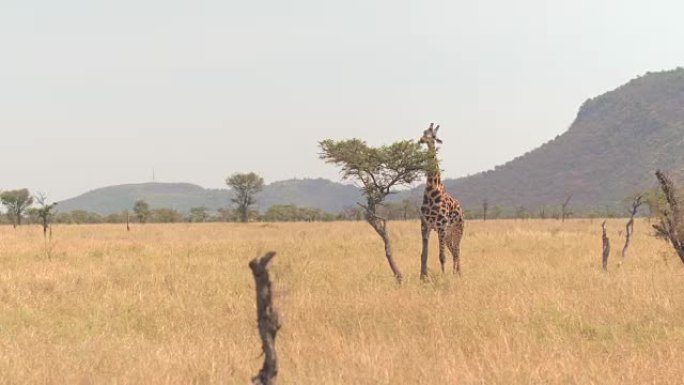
{"x": 94, "y": 93}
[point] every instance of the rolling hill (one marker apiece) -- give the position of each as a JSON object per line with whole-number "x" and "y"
{"x": 315, "y": 193}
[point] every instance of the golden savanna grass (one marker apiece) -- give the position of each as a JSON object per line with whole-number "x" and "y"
{"x": 174, "y": 304}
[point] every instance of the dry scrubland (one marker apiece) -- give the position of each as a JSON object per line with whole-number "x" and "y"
{"x": 175, "y": 304}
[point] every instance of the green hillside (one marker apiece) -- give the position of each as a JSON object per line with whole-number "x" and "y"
{"x": 314, "y": 193}
{"x": 180, "y": 196}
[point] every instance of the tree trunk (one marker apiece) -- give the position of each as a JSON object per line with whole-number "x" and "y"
{"x": 380, "y": 227}
{"x": 267, "y": 320}
{"x": 629, "y": 229}
{"x": 606, "y": 247}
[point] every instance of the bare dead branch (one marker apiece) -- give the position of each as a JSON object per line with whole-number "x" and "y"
{"x": 629, "y": 228}
{"x": 606, "y": 247}
{"x": 267, "y": 319}
{"x": 565, "y": 213}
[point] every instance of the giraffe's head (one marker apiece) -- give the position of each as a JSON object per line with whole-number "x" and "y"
{"x": 430, "y": 136}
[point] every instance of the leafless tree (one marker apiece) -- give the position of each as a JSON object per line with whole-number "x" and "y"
{"x": 629, "y": 228}
{"x": 485, "y": 206}
{"x": 542, "y": 212}
{"x": 565, "y": 209}
{"x": 606, "y": 247}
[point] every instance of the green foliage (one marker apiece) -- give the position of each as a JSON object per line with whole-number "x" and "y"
{"x": 655, "y": 202}
{"x": 165, "y": 215}
{"x": 226, "y": 214}
{"x": 16, "y": 202}
{"x": 44, "y": 212}
{"x": 245, "y": 187}
{"x": 141, "y": 210}
{"x": 199, "y": 214}
{"x": 292, "y": 213}
{"x": 115, "y": 218}
{"x": 78, "y": 217}
{"x": 351, "y": 213}
{"x": 401, "y": 210}
{"x": 379, "y": 169}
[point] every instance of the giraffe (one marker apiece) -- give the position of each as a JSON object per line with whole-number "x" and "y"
{"x": 440, "y": 211}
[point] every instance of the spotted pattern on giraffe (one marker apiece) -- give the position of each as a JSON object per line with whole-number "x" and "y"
{"x": 440, "y": 211}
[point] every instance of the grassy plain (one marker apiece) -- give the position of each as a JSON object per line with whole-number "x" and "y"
{"x": 174, "y": 304}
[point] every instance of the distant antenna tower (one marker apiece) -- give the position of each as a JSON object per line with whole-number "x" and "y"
{"x": 154, "y": 178}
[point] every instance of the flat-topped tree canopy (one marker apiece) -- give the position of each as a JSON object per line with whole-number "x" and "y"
{"x": 379, "y": 169}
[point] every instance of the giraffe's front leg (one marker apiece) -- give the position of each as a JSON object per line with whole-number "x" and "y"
{"x": 425, "y": 233}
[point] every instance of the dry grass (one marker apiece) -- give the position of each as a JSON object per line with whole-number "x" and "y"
{"x": 174, "y": 304}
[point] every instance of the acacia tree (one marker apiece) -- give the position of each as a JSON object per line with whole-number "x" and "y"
{"x": 141, "y": 210}
{"x": 16, "y": 202}
{"x": 378, "y": 170}
{"x": 199, "y": 214}
{"x": 246, "y": 186}
{"x": 44, "y": 211}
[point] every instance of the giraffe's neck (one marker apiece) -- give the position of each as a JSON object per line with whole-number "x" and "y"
{"x": 434, "y": 179}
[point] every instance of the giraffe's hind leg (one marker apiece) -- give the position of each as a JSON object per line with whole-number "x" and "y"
{"x": 442, "y": 245}
{"x": 456, "y": 233}
{"x": 425, "y": 233}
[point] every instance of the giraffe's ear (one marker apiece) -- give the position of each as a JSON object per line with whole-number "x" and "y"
{"x": 438, "y": 141}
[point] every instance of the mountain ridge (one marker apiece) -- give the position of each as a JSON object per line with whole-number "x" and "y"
{"x": 610, "y": 151}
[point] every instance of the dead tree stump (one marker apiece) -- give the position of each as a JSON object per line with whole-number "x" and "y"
{"x": 606, "y": 247}
{"x": 629, "y": 228}
{"x": 267, "y": 319}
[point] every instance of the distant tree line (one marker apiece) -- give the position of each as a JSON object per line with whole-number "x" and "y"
{"x": 401, "y": 210}
{"x": 19, "y": 208}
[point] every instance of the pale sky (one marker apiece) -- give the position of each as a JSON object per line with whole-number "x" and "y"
{"x": 95, "y": 93}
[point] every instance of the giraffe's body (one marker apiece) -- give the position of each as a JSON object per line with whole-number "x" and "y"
{"x": 440, "y": 212}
